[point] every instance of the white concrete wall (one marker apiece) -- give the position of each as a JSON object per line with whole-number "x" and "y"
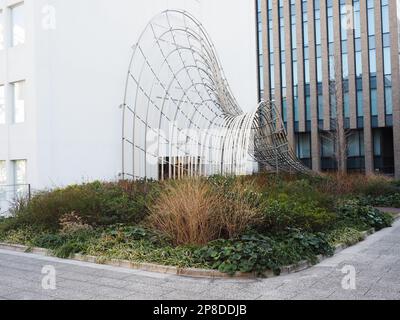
{"x": 18, "y": 141}
{"x": 76, "y": 69}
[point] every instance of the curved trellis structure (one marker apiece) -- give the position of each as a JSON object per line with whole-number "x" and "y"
{"x": 180, "y": 117}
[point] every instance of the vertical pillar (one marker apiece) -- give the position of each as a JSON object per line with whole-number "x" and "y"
{"x": 315, "y": 142}
{"x": 394, "y": 29}
{"x": 325, "y": 66}
{"x": 368, "y": 138}
{"x": 300, "y": 66}
{"x": 379, "y": 64}
{"x": 277, "y": 57}
{"x": 352, "y": 67}
{"x": 339, "y": 83}
{"x": 265, "y": 41}
{"x": 289, "y": 75}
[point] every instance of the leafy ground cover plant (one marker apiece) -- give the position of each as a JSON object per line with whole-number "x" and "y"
{"x": 345, "y": 235}
{"x": 388, "y": 200}
{"x": 258, "y": 253}
{"x": 353, "y": 213}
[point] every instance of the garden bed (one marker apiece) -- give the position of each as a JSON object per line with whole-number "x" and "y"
{"x": 248, "y": 226}
{"x": 186, "y": 272}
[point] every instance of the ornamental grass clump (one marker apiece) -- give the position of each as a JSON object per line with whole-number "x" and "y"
{"x": 239, "y": 208}
{"x": 185, "y": 212}
{"x": 196, "y": 211}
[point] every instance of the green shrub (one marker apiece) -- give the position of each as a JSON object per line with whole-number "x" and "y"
{"x": 286, "y": 212}
{"x": 97, "y": 203}
{"x": 376, "y": 186}
{"x": 49, "y": 240}
{"x": 363, "y": 217}
{"x": 388, "y": 200}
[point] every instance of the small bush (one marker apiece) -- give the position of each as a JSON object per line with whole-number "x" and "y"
{"x": 354, "y": 213}
{"x": 284, "y": 212}
{"x": 71, "y": 223}
{"x": 49, "y": 241}
{"x": 97, "y": 203}
{"x": 239, "y": 205}
{"x": 388, "y": 200}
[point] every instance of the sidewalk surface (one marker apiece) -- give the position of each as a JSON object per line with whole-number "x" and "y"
{"x": 376, "y": 262}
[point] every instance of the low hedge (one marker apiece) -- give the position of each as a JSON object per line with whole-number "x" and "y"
{"x": 97, "y": 203}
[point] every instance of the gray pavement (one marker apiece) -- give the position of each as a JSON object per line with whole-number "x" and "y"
{"x": 376, "y": 263}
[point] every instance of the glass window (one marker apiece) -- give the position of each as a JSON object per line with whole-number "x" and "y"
{"x": 374, "y": 103}
{"x": 346, "y": 104}
{"x": 308, "y": 108}
{"x": 354, "y": 145}
{"x": 19, "y": 172}
{"x": 372, "y": 61}
{"x": 20, "y": 176}
{"x": 19, "y": 101}
{"x": 360, "y": 104}
{"x": 304, "y": 146}
{"x": 377, "y": 143}
{"x": 358, "y": 64}
{"x": 327, "y": 147}
{"x": 371, "y": 21}
{"x": 388, "y": 100}
{"x": 319, "y": 69}
{"x": 1, "y": 30}
{"x": 345, "y": 66}
{"x": 18, "y": 25}
{"x": 307, "y": 71}
{"x": 320, "y": 107}
{"x": 296, "y": 108}
{"x": 387, "y": 60}
{"x": 2, "y": 105}
{"x": 385, "y": 19}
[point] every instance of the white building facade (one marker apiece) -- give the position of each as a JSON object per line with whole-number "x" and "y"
{"x": 63, "y": 67}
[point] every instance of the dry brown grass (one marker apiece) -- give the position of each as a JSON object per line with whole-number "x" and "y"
{"x": 192, "y": 212}
{"x": 342, "y": 184}
{"x": 185, "y": 211}
{"x": 238, "y": 209}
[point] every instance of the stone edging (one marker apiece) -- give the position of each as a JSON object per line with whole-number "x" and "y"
{"x": 186, "y": 272}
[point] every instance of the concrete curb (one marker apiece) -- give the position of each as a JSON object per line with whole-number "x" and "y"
{"x": 185, "y": 272}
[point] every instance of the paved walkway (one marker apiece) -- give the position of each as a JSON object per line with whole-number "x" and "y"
{"x": 376, "y": 262}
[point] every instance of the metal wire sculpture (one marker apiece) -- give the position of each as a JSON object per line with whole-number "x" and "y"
{"x": 180, "y": 117}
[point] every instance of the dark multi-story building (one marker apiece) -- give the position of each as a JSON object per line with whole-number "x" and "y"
{"x": 332, "y": 64}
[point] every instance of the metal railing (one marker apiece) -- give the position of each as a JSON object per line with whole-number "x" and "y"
{"x": 10, "y": 193}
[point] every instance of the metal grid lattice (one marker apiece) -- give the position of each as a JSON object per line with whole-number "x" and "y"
{"x": 180, "y": 117}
